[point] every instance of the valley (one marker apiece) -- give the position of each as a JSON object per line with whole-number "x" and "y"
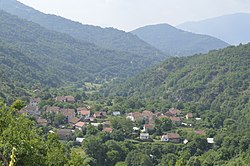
{"x": 74, "y": 94}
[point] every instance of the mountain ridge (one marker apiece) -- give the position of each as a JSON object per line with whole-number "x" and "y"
{"x": 58, "y": 58}
{"x": 108, "y": 38}
{"x": 174, "y": 41}
{"x": 232, "y": 28}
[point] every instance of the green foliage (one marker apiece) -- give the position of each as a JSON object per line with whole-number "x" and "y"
{"x": 32, "y": 57}
{"x": 19, "y": 132}
{"x": 94, "y": 148}
{"x": 56, "y": 152}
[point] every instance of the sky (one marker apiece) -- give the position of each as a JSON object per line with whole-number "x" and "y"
{"x": 128, "y": 15}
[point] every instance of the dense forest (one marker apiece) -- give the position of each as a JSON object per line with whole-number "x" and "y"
{"x": 33, "y": 55}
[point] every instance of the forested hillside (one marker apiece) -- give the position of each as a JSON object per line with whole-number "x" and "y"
{"x": 218, "y": 80}
{"x": 177, "y": 42}
{"x": 109, "y": 38}
{"x": 214, "y": 87}
{"x": 33, "y": 54}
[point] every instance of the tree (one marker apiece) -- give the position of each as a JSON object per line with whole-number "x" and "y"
{"x": 55, "y": 152}
{"x": 94, "y": 147}
{"x": 18, "y": 105}
{"x": 137, "y": 158}
{"x": 122, "y": 124}
{"x": 168, "y": 159}
{"x": 17, "y": 131}
{"x": 113, "y": 156}
{"x": 91, "y": 130}
{"x": 77, "y": 157}
{"x": 194, "y": 161}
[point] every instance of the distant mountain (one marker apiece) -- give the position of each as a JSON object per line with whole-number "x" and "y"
{"x": 32, "y": 56}
{"x": 233, "y": 28}
{"x": 174, "y": 41}
{"x": 109, "y": 38}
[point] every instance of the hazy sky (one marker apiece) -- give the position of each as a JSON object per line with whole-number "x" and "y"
{"x": 130, "y": 14}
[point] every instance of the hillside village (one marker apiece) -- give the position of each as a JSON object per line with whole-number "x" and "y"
{"x": 148, "y": 126}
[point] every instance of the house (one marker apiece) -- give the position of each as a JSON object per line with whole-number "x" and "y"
{"x": 189, "y": 115}
{"x": 108, "y": 130}
{"x": 53, "y": 109}
{"x": 136, "y": 128}
{"x": 210, "y": 140}
{"x": 144, "y": 136}
{"x": 185, "y": 141}
{"x": 42, "y": 122}
{"x": 200, "y": 132}
{"x": 175, "y": 119}
{"x": 23, "y": 112}
{"x": 91, "y": 119}
{"x": 106, "y": 124}
{"x": 79, "y": 140}
{"x": 79, "y": 125}
{"x": 69, "y": 113}
{"x": 197, "y": 119}
{"x": 69, "y": 99}
{"x": 148, "y": 127}
{"x": 100, "y": 114}
{"x": 60, "y": 99}
{"x": 64, "y": 134}
{"x": 173, "y": 112}
{"x": 134, "y": 116}
{"x": 83, "y": 112}
{"x": 95, "y": 124}
{"x": 34, "y": 101}
{"x": 74, "y": 120}
{"x": 32, "y": 110}
{"x": 116, "y": 113}
{"x": 162, "y": 116}
{"x": 158, "y": 114}
{"x": 147, "y": 113}
{"x": 171, "y": 137}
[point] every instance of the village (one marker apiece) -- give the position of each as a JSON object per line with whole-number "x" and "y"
{"x": 70, "y": 124}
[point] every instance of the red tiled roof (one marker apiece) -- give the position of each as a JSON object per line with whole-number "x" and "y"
{"x": 173, "y": 136}
{"x": 84, "y": 112}
{"x": 200, "y": 132}
{"x": 53, "y": 109}
{"x": 68, "y": 112}
{"x": 175, "y": 119}
{"x": 173, "y": 111}
{"x": 189, "y": 115}
{"x": 147, "y": 113}
{"x": 108, "y": 129}
{"x": 69, "y": 98}
{"x": 149, "y": 126}
{"x": 79, "y": 124}
{"x": 163, "y": 116}
{"x": 158, "y": 114}
{"x": 74, "y": 120}
{"x": 136, "y": 115}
